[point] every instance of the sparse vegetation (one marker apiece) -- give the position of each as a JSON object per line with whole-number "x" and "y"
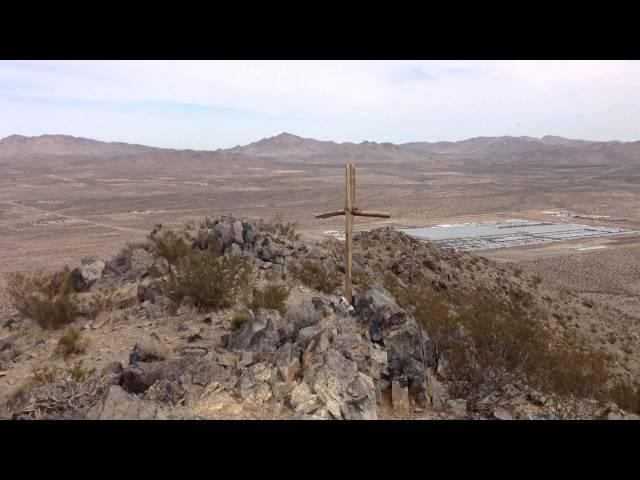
{"x": 317, "y": 275}
{"x": 169, "y": 245}
{"x": 212, "y": 281}
{"x": 50, "y": 300}
{"x": 47, "y": 375}
{"x": 488, "y": 344}
{"x": 71, "y": 342}
{"x": 101, "y": 301}
{"x": 272, "y": 295}
{"x": 280, "y": 227}
{"x": 626, "y": 396}
{"x": 239, "y": 319}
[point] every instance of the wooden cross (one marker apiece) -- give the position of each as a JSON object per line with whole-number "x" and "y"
{"x": 349, "y": 212}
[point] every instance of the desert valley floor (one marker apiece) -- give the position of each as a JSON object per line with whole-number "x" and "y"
{"x": 60, "y": 201}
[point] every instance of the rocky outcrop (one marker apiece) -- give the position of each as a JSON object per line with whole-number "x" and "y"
{"x": 87, "y": 274}
{"x": 120, "y": 405}
{"x": 410, "y": 354}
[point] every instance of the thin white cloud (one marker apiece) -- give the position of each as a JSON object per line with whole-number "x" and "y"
{"x": 342, "y": 100}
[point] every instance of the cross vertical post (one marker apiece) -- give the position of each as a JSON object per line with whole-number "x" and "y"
{"x": 349, "y": 212}
{"x": 348, "y": 254}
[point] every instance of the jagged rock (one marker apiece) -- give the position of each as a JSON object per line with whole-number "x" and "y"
{"x": 223, "y": 231}
{"x": 254, "y": 384}
{"x": 149, "y": 349}
{"x": 500, "y": 413}
{"x": 321, "y": 305}
{"x": 138, "y": 378}
{"x": 119, "y": 405}
{"x": 166, "y": 391}
{"x": 8, "y": 351}
{"x": 225, "y": 358}
{"x": 13, "y": 322}
{"x": 149, "y": 291}
{"x": 287, "y": 362}
{"x": 218, "y": 404}
{"x": 437, "y": 392}
{"x": 206, "y": 371}
{"x": 360, "y": 261}
{"x": 307, "y": 334}
{"x": 87, "y": 274}
{"x": 118, "y": 266}
{"x": 112, "y": 373}
{"x": 263, "y": 333}
{"x": 409, "y": 357}
{"x": 303, "y": 400}
{"x": 457, "y": 406}
{"x": 157, "y": 309}
{"x": 345, "y": 392}
{"x": 160, "y": 268}
{"x": 237, "y": 232}
{"x": 379, "y": 311}
{"x": 141, "y": 262}
{"x": 400, "y": 397}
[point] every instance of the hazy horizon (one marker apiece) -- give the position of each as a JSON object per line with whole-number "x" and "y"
{"x": 206, "y": 105}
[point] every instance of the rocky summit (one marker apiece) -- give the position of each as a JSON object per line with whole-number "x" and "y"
{"x": 238, "y": 318}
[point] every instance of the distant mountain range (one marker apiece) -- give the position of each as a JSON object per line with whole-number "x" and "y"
{"x": 61, "y": 145}
{"x": 288, "y": 146}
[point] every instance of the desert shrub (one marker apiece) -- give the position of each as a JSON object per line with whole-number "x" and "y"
{"x": 47, "y": 375}
{"x": 487, "y": 344}
{"x": 101, "y": 301}
{"x": 212, "y": 281}
{"x": 625, "y": 396}
{"x": 317, "y": 275}
{"x": 131, "y": 246}
{"x": 272, "y": 295}
{"x": 48, "y": 299}
{"x": 170, "y": 245}
{"x": 239, "y": 319}
{"x": 280, "y": 227}
{"x": 362, "y": 279}
{"x": 303, "y": 315}
{"x": 44, "y": 375}
{"x": 71, "y": 342}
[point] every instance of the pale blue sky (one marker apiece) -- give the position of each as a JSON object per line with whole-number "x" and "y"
{"x": 220, "y": 104}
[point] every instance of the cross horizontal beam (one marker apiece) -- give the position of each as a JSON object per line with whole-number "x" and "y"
{"x": 356, "y": 212}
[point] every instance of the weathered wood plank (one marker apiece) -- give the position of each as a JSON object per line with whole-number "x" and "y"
{"x": 364, "y": 213}
{"x": 348, "y": 234}
{"x": 330, "y": 214}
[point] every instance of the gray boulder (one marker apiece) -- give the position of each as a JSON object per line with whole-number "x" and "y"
{"x": 379, "y": 311}
{"x": 141, "y": 262}
{"x": 405, "y": 357}
{"x": 262, "y": 334}
{"x": 149, "y": 349}
{"x": 87, "y": 274}
{"x": 119, "y": 405}
{"x": 345, "y": 392}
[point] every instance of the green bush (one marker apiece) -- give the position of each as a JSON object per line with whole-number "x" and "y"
{"x": 71, "y": 342}
{"x": 169, "y": 245}
{"x": 317, "y": 275}
{"x": 625, "y": 396}
{"x": 239, "y": 319}
{"x": 272, "y": 296}
{"x": 487, "y": 344}
{"x": 101, "y": 301}
{"x": 212, "y": 281}
{"x": 280, "y": 227}
{"x": 47, "y": 375}
{"x": 50, "y": 300}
